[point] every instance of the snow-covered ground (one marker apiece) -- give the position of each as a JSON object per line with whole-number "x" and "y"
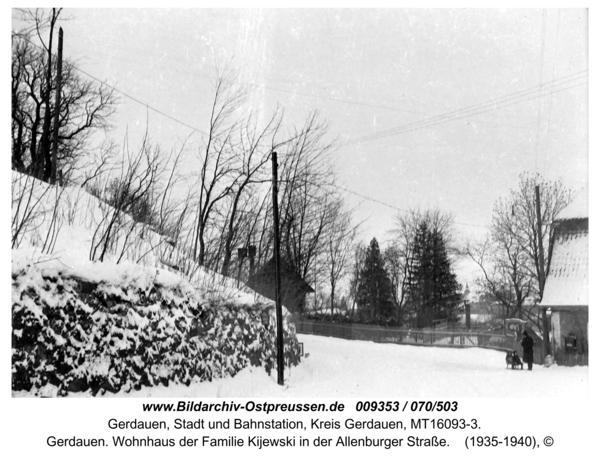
{"x": 73, "y": 218}
{"x": 342, "y": 368}
{"x": 334, "y": 367}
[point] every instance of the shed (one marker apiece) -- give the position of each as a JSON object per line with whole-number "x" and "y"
{"x": 293, "y": 287}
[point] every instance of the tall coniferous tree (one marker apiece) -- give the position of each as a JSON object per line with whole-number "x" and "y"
{"x": 374, "y": 295}
{"x": 418, "y": 286}
{"x": 433, "y": 291}
{"x": 446, "y": 289}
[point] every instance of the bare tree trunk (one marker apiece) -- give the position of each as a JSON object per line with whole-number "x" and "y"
{"x": 44, "y": 157}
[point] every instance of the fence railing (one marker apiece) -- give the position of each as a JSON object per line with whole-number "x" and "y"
{"x": 443, "y": 338}
{"x": 457, "y": 338}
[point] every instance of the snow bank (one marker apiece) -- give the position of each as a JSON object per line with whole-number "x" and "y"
{"x": 118, "y": 328}
{"x": 337, "y": 368}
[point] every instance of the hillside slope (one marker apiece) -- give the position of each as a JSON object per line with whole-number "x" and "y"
{"x": 80, "y": 325}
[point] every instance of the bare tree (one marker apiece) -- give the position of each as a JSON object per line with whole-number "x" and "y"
{"x": 28, "y": 208}
{"x": 515, "y": 218}
{"x": 85, "y": 106}
{"x": 503, "y": 274}
{"x": 339, "y": 244}
{"x": 126, "y": 200}
{"x": 358, "y": 260}
{"x": 254, "y": 152}
{"x": 233, "y": 182}
{"x": 307, "y": 199}
{"x": 509, "y": 258}
{"x": 217, "y": 158}
{"x": 398, "y": 273}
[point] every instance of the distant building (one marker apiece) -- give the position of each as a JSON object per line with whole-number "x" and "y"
{"x": 293, "y": 287}
{"x": 566, "y": 288}
{"x": 480, "y": 310}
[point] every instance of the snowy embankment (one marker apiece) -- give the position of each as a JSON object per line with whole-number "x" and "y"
{"x": 337, "y": 368}
{"x": 146, "y": 326}
{"x": 89, "y": 323}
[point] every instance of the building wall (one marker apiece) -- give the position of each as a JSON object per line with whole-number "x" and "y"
{"x": 566, "y": 323}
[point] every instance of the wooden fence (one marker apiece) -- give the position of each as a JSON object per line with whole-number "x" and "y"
{"x": 459, "y": 338}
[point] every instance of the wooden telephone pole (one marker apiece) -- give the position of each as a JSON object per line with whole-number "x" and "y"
{"x": 542, "y": 271}
{"x": 57, "y": 107}
{"x": 278, "y": 307}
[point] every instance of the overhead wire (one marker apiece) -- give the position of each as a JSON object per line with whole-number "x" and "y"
{"x": 289, "y": 91}
{"x": 490, "y": 105}
{"x": 484, "y": 107}
{"x": 539, "y": 114}
{"x": 491, "y": 102}
{"x": 393, "y": 207}
{"x": 134, "y": 99}
{"x": 551, "y": 98}
{"x": 371, "y": 199}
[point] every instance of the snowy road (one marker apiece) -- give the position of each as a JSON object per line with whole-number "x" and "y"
{"x": 341, "y": 368}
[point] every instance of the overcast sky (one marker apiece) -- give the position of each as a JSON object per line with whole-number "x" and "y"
{"x": 432, "y": 108}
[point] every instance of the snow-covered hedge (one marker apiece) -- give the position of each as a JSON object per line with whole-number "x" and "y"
{"x": 74, "y": 335}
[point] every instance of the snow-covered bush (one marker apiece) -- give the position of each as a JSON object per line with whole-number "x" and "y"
{"x": 77, "y": 335}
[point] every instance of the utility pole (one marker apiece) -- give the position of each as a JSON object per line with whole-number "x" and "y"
{"x": 44, "y": 167}
{"x": 542, "y": 270}
{"x": 57, "y": 107}
{"x": 251, "y": 254}
{"x": 278, "y": 308}
{"x": 242, "y": 253}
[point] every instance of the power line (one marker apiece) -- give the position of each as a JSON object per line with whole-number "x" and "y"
{"x": 326, "y": 186}
{"x": 553, "y": 73}
{"x": 337, "y": 99}
{"x": 140, "y": 102}
{"x": 458, "y": 114}
{"x": 430, "y": 122}
{"x": 272, "y": 88}
{"x": 490, "y": 105}
{"x": 539, "y": 117}
{"x": 502, "y": 99}
{"x": 463, "y": 113}
{"x": 146, "y": 105}
{"x": 466, "y": 115}
{"x": 389, "y": 205}
{"x": 288, "y": 91}
{"x": 368, "y": 198}
{"x": 371, "y": 199}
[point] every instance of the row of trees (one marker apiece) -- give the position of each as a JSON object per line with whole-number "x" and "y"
{"x": 412, "y": 282}
{"x": 206, "y": 199}
{"x": 231, "y": 181}
{"x": 217, "y": 200}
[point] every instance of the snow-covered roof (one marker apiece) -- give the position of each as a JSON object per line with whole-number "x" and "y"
{"x": 577, "y": 209}
{"x": 567, "y": 282}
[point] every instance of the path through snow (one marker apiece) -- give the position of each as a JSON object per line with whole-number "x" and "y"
{"x": 341, "y": 368}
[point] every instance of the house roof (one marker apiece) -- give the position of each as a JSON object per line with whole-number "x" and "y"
{"x": 577, "y": 209}
{"x": 567, "y": 281}
{"x": 265, "y": 275}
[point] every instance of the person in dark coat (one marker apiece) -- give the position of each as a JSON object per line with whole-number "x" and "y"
{"x": 527, "y": 344}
